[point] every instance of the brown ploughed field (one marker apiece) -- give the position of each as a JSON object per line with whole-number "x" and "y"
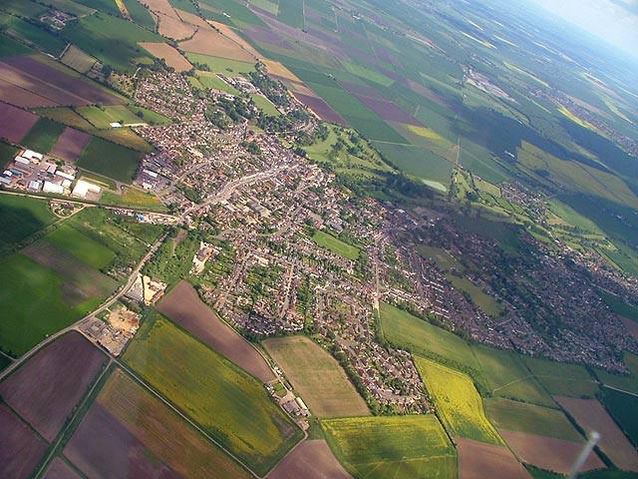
{"x": 312, "y": 459}
{"x": 20, "y": 448}
{"x": 184, "y": 307}
{"x": 49, "y": 385}
{"x": 549, "y": 453}
{"x": 481, "y": 461}
{"x": 15, "y": 123}
{"x": 592, "y": 416}
{"x": 70, "y": 144}
{"x": 320, "y": 108}
{"x": 60, "y": 470}
{"x": 18, "y": 96}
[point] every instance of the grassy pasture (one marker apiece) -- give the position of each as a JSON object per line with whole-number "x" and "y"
{"x": 211, "y": 80}
{"x": 27, "y": 317}
{"x": 227, "y": 402}
{"x": 109, "y": 159}
{"x": 484, "y": 301}
{"x": 139, "y": 14}
{"x": 43, "y": 135}
{"x": 624, "y": 409}
{"x": 335, "y": 245}
{"x": 506, "y": 376}
{"x": 458, "y": 402}
{"x": 32, "y": 34}
{"x": 237, "y": 11}
{"x": 402, "y": 329}
{"x": 66, "y": 116}
{"x": 404, "y": 447}
{"x": 102, "y": 117}
{"x": 265, "y": 105}
{"x": 149, "y": 116}
{"x": 316, "y": 376}
{"x": 9, "y": 47}
{"x": 561, "y": 379}
{"x": 124, "y": 137}
{"x": 133, "y": 197}
{"x": 21, "y": 217}
{"x": 618, "y": 306}
{"x": 221, "y": 65}
{"x": 529, "y": 418}
{"x": 84, "y": 248}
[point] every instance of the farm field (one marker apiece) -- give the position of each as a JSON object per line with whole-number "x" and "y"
{"x": 21, "y": 217}
{"x": 312, "y": 459}
{"x": 549, "y": 453}
{"x": 458, "y": 402}
{"x": 111, "y": 40}
{"x": 211, "y": 80}
{"x": 133, "y": 197}
{"x": 265, "y": 105}
{"x": 77, "y": 59}
{"x": 516, "y": 416}
{"x": 291, "y": 13}
{"x": 624, "y": 409}
{"x": 221, "y": 65}
{"x": 29, "y": 318}
{"x": 402, "y": 447}
{"x": 48, "y": 84}
{"x": 317, "y": 377}
{"x": 58, "y": 469}
{"x": 102, "y": 117}
{"x": 562, "y": 379}
{"x": 592, "y": 416}
{"x": 478, "y": 461}
{"x": 404, "y": 330}
{"x": 184, "y": 307}
{"x": 628, "y": 382}
{"x": 21, "y": 449}
{"x": 109, "y": 159}
{"x": 506, "y": 376}
{"x": 229, "y": 404}
{"x": 485, "y": 302}
{"x": 43, "y": 136}
{"x": 169, "y": 54}
{"x": 70, "y": 144}
{"x": 14, "y": 122}
{"x": 335, "y": 245}
{"x": 49, "y": 385}
{"x": 7, "y": 153}
{"x": 125, "y": 137}
{"x": 115, "y": 440}
{"x": 89, "y": 251}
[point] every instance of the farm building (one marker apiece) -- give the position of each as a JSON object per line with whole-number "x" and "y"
{"x": 83, "y": 188}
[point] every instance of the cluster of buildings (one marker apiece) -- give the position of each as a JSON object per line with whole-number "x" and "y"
{"x": 33, "y": 172}
{"x": 112, "y": 329}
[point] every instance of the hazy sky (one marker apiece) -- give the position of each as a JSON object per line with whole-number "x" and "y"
{"x": 614, "y": 20}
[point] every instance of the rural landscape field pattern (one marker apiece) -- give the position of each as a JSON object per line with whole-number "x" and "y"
{"x": 315, "y": 239}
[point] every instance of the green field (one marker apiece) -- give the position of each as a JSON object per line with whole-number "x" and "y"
{"x": 335, "y": 245}
{"x": 21, "y": 217}
{"x": 628, "y": 382}
{"x": 405, "y": 447}
{"x": 221, "y": 65}
{"x": 227, "y": 402}
{"x": 139, "y": 14}
{"x": 624, "y": 409}
{"x": 317, "y": 377}
{"x": 618, "y": 306}
{"x": 133, "y": 197}
{"x": 562, "y": 379}
{"x": 149, "y": 116}
{"x": 506, "y": 376}
{"x": 43, "y": 135}
{"x": 457, "y": 401}
{"x": 111, "y": 40}
{"x": 265, "y": 105}
{"x": 237, "y": 11}
{"x": 109, "y": 159}
{"x": 9, "y": 47}
{"x": 402, "y": 329}
{"x": 291, "y": 13}
{"x": 84, "y": 248}
{"x": 173, "y": 260}
{"x": 29, "y": 317}
{"x": 516, "y": 416}
{"x": 484, "y": 301}
{"x": 102, "y": 117}
{"x": 211, "y": 80}
{"x": 32, "y": 34}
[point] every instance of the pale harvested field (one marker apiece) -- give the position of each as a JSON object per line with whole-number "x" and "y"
{"x": 169, "y": 54}
{"x": 184, "y": 307}
{"x": 592, "y": 416}
{"x": 192, "y": 18}
{"x": 213, "y": 43}
{"x": 312, "y": 459}
{"x": 169, "y": 22}
{"x": 235, "y": 37}
{"x": 549, "y": 453}
{"x": 317, "y": 377}
{"x": 481, "y": 461}
{"x": 77, "y": 59}
{"x": 277, "y": 69}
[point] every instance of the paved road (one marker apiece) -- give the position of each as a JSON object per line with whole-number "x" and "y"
{"x": 106, "y": 304}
